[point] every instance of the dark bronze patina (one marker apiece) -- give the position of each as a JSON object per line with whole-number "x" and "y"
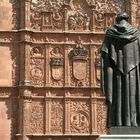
{"x": 121, "y": 73}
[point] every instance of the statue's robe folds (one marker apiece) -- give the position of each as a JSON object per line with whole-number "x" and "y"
{"x": 121, "y": 75}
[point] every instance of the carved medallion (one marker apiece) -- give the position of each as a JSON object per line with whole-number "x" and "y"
{"x": 80, "y": 118}
{"x": 37, "y": 76}
{"x": 79, "y": 122}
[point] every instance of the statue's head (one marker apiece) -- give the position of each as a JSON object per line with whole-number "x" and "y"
{"x": 122, "y": 16}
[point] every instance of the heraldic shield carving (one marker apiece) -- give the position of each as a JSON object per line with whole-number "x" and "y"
{"x": 57, "y": 64}
{"x": 79, "y": 68}
{"x": 79, "y": 57}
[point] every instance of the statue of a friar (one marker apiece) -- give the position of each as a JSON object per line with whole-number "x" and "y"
{"x": 121, "y": 73}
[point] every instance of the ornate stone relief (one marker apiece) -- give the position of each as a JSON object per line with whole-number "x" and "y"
{"x": 78, "y": 15}
{"x": 100, "y": 21}
{"x": 7, "y": 92}
{"x": 37, "y": 66}
{"x": 7, "y": 38}
{"x": 57, "y": 117}
{"x": 80, "y": 93}
{"x": 80, "y": 118}
{"x": 36, "y": 122}
{"x": 46, "y": 14}
{"x": 97, "y": 66}
{"x": 109, "y": 6}
{"x": 39, "y": 93}
{"x": 57, "y": 65}
{"x": 101, "y": 117}
{"x": 79, "y": 59}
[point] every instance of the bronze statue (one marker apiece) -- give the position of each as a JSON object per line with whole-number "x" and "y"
{"x": 121, "y": 73}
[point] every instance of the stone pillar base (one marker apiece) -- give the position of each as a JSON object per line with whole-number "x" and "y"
{"x": 124, "y": 130}
{"x": 119, "y": 137}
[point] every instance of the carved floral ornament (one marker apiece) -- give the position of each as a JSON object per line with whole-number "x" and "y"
{"x": 77, "y": 14}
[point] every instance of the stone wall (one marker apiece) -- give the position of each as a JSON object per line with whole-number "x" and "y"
{"x": 50, "y": 67}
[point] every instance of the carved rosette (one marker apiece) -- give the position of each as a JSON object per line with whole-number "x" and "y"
{"x": 57, "y": 66}
{"x": 80, "y": 118}
{"x": 36, "y": 122}
{"x": 79, "y": 65}
{"x": 57, "y": 111}
{"x": 37, "y": 66}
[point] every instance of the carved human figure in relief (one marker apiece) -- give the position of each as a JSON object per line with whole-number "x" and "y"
{"x": 100, "y": 19}
{"x": 56, "y": 52}
{"x": 36, "y": 52}
{"x": 79, "y": 20}
{"x": 36, "y": 20}
{"x": 72, "y": 23}
{"x": 121, "y": 73}
{"x": 86, "y": 22}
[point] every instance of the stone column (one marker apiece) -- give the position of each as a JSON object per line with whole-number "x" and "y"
{"x": 93, "y": 116}
{"x": 24, "y": 64}
{"x": 24, "y": 113}
{"x": 24, "y": 87}
{"x": 92, "y": 70}
{"x": 25, "y": 14}
{"x": 48, "y": 114}
{"x": 67, "y": 113}
{"x": 47, "y": 65}
{"x": 67, "y": 67}
{"x": 93, "y": 19}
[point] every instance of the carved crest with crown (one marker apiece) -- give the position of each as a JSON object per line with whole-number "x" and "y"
{"x": 79, "y": 56}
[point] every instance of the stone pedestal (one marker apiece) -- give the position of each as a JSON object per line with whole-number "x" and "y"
{"x": 122, "y": 133}
{"x": 125, "y": 130}
{"x": 119, "y": 137}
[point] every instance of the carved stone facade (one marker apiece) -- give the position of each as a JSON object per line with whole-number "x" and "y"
{"x": 50, "y": 67}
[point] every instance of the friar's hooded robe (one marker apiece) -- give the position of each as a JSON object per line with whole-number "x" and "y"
{"x": 121, "y": 75}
